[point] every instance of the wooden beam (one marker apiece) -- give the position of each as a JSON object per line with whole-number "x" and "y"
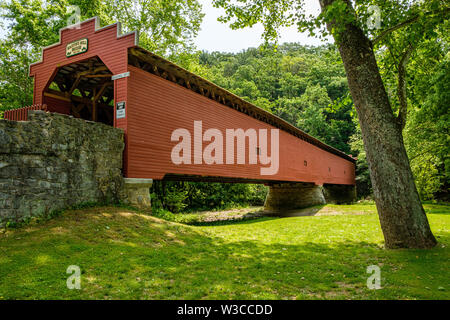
{"x": 167, "y": 71}
{"x": 74, "y": 86}
{"x": 108, "y": 114}
{"x": 156, "y": 71}
{"x": 60, "y": 85}
{"x": 57, "y": 96}
{"x": 102, "y": 90}
{"x": 61, "y": 96}
{"x": 76, "y": 109}
{"x": 94, "y": 71}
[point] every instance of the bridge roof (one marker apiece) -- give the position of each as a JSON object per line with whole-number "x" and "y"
{"x": 150, "y": 62}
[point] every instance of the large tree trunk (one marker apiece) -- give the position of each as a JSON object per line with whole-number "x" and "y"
{"x": 402, "y": 217}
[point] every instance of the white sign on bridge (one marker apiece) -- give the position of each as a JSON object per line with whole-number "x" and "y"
{"x": 77, "y": 47}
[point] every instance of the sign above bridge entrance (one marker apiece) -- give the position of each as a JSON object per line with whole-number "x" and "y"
{"x": 76, "y": 47}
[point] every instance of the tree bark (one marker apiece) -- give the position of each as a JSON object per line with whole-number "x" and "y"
{"x": 401, "y": 87}
{"x": 402, "y": 217}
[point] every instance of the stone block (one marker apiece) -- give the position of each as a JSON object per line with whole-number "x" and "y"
{"x": 339, "y": 194}
{"x": 290, "y": 196}
{"x": 53, "y": 161}
{"x": 137, "y": 192}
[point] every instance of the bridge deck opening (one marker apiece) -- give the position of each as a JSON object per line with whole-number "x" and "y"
{"x": 84, "y": 90}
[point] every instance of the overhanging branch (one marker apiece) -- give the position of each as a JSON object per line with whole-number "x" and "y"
{"x": 396, "y": 27}
{"x": 406, "y": 23}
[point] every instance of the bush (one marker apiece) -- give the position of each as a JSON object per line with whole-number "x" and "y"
{"x": 193, "y": 196}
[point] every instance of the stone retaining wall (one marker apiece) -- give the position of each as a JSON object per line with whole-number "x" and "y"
{"x": 55, "y": 161}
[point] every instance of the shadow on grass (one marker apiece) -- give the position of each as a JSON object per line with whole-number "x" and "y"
{"x": 436, "y": 208}
{"x": 124, "y": 255}
{"x": 243, "y": 220}
{"x": 310, "y": 211}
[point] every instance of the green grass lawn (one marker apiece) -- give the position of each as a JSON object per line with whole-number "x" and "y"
{"x": 127, "y": 255}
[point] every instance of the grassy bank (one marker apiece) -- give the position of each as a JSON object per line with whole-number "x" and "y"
{"x": 127, "y": 255}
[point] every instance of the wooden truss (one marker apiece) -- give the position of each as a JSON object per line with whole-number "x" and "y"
{"x": 88, "y": 87}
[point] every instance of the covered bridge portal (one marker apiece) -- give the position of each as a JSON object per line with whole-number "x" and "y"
{"x": 176, "y": 123}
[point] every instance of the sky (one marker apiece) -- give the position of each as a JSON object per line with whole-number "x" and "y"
{"x": 218, "y": 36}
{"x": 2, "y": 29}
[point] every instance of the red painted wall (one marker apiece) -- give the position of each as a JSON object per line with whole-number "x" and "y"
{"x": 56, "y": 105}
{"x": 21, "y": 114}
{"x": 106, "y": 43}
{"x": 156, "y": 107}
{"x": 103, "y": 42}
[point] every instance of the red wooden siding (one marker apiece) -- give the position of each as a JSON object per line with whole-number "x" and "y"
{"x": 56, "y": 105}
{"x": 121, "y": 94}
{"x": 21, "y": 114}
{"x": 156, "y": 107}
{"x": 106, "y": 43}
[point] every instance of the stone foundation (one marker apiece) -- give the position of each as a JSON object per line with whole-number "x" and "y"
{"x": 137, "y": 192}
{"x": 285, "y": 197}
{"x": 339, "y": 194}
{"x": 289, "y": 196}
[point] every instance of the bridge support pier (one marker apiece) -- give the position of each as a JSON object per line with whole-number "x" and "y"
{"x": 283, "y": 197}
{"x": 137, "y": 192}
{"x": 339, "y": 194}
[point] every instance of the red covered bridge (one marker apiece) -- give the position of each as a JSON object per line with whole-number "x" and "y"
{"x": 180, "y": 126}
